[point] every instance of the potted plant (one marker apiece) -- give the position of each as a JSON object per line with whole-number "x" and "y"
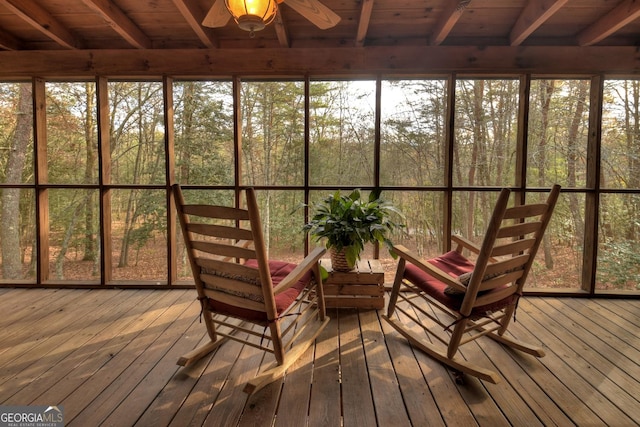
{"x": 348, "y": 222}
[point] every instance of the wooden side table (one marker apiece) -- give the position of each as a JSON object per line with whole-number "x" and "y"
{"x": 363, "y": 287}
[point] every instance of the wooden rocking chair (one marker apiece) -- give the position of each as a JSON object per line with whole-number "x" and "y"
{"x": 239, "y": 287}
{"x": 468, "y": 299}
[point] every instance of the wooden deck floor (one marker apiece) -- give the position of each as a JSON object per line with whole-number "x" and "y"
{"x": 108, "y": 357}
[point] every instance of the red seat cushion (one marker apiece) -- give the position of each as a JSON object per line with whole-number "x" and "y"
{"x": 455, "y": 264}
{"x": 279, "y": 270}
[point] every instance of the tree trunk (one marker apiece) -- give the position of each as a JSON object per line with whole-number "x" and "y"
{"x": 546, "y": 92}
{"x": 10, "y": 214}
{"x": 131, "y": 215}
{"x": 478, "y": 139}
{"x": 72, "y": 220}
{"x": 188, "y": 129}
{"x": 632, "y": 126}
{"x": 90, "y": 243}
{"x": 572, "y": 157}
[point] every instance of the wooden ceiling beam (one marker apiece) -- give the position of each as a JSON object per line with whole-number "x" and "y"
{"x": 363, "y": 22}
{"x": 350, "y": 62}
{"x": 534, "y": 14}
{"x": 449, "y": 17}
{"x": 621, "y": 15}
{"x": 281, "y": 30}
{"x": 120, "y": 22}
{"x": 194, "y": 16}
{"x": 43, "y": 21}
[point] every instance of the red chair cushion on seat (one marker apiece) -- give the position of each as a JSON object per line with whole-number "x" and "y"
{"x": 455, "y": 264}
{"x": 279, "y": 270}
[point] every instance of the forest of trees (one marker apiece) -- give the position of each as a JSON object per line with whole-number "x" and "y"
{"x": 296, "y": 140}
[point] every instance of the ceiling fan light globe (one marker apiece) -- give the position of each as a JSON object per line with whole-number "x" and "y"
{"x": 252, "y": 15}
{"x": 250, "y": 23}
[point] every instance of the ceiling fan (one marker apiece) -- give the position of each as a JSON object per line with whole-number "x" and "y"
{"x": 254, "y": 15}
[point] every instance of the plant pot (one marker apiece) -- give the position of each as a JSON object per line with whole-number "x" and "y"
{"x": 339, "y": 260}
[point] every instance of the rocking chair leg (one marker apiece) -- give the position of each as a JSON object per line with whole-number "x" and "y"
{"x": 198, "y": 353}
{"x": 511, "y": 342}
{"x": 397, "y": 282}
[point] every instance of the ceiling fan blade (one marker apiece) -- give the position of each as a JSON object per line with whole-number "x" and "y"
{"x": 319, "y": 15}
{"x": 218, "y": 15}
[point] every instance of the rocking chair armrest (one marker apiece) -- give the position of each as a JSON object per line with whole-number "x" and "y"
{"x": 309, "y": 262}
{"x": 430, "y": 269}
{"x": 464, "y": 243}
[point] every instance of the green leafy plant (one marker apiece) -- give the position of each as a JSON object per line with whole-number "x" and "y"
{"x": 348, "y": 222}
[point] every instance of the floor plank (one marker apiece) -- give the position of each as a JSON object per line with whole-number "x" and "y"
{"x": 420, "y": 403}
{"x": 387, "y": 397}
{"x": 108, "y": 357}
{"x": 296, "y": 392}
{"x": 574, "y": 371}
{"x": 126, "y": 369}
{"x": 356, "y": 388}
{"x": 98, "y": 333}
{"x": 324, "y": 408}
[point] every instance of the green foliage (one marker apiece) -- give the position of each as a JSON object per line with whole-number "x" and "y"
{"x": 348, "y": 222}
{"x": 273, "y": 133}
{"x": 620, "y": 265}
{"x": 341, "y": 132}
{"x": 203, "y": 134}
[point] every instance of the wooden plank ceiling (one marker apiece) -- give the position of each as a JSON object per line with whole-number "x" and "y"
{"x": 29, "y": 25}
{"x": 129, "y": 38}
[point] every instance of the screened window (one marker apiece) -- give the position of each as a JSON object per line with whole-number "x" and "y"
{"x": 94, "y": 213}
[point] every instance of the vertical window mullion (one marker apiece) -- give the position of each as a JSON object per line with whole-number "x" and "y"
{"x": 170, "y": 178}
{"x": 41, "y": 179}
{"x": 376, "y": 149}
{"x": 447, "y": 208}
{"x": 104, "y": 179}
{"x": 522, "y": 142}
{"x": 237, "y": 138}
{"x": 590, "y": 252}
{"x": 307, "y": 150}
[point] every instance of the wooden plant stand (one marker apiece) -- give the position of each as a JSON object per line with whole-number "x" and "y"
{"x": 363, "y": 287}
